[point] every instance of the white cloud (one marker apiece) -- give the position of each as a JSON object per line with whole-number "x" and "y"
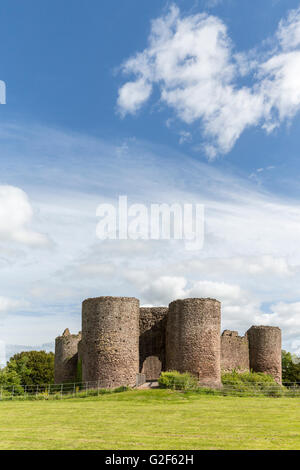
{"x": 286, "y": 315}
{"x": 240, "y": 308}
{"x": 37, "y": 329}
{"x": 184, "y": 137}
{"x": 250, "y": 257}
{"x": 218, "y": 290}
{"x": 240, "y": 266}
{"x": 295, "y": 346}
{"x": 192, "y": 60}
{"x": 269, "y": 264}
{"x": 7, "y": 304}
{"x": 133, "y": 95}
{"x": 288, "y": 32}
{"x": 94, "y": 269}
{"x": 16, "y": 214}
{"x": 164, "y": 289}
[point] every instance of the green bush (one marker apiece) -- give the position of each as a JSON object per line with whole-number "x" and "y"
{"x": 32, "y": 367}
{"x": 10, "y": 383}
{"x": 290, "y": 367}
{"x": 122, "y": 388}
{"x": 176, "y": 381}
{"x": 250, "y": 383}
{"x": 234, "y": 383}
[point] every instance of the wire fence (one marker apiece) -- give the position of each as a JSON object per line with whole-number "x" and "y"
{"x": 84, "y": 389}
{"x": 53, "y": 391}
{"x": 287, "y": 389}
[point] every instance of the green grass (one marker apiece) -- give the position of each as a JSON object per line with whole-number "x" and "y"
{"x": 151, "y": 419}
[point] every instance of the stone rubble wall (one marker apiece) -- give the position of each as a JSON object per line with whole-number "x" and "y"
{"x": 234, "y": 352}
{"x": 152, "y": 341}
{"x": 265, "y": 350}
{"x": 193, "y": 339}
{"x": 110, "y": 341}
{"x": 66, "y": 357}
{"x": 120, "y": 340}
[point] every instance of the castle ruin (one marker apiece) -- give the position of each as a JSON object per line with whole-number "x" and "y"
{"x": 120, "y": 341}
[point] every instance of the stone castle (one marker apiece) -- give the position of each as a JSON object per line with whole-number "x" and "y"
{"x": 123, "y": 344}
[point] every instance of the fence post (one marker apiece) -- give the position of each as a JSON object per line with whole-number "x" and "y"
{"x": 61, "y": 390}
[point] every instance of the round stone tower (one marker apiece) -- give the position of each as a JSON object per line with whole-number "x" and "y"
{"x": 193, "y": 339}
{"x": 265, "y": 350}
{"x": 110, "y": 341}
{"x": 66, "y": 356}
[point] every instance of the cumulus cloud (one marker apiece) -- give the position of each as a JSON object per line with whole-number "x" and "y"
{"x": 289, "y": 31}
{"x": 133, "y": 95}
{"x": 286, "y": 315}
{"x": 240, "y": 266}
{"x": 219, "y": 290}
{"x": 240, "y": 308}
{"x": 165, "y": 289}
{"x": 7, "y": 304}
{"x": 95, "y": 269}
{"x": 250, "y": 257}
{"x": 16, "y": 214}
{"x": 192, "y": 61}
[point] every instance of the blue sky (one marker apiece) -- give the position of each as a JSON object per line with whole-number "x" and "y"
{"x": 61, "y": 67}
{"x": 80, "y": 127}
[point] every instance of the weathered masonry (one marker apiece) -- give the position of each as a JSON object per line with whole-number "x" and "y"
{"x": 66, "y": 357}
{"x": 193, "y": 339}
{"x": 120, "y": 340}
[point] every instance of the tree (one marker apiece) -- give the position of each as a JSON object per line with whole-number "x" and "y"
{"x": 32, "y": 367}
{"x": 9, "y": 377}
{"x": 290, "y": 367}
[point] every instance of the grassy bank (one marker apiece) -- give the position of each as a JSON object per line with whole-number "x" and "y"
{"x": 151, "y": 419}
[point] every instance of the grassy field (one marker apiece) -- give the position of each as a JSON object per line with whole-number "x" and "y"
{"x": 151, "y": 419}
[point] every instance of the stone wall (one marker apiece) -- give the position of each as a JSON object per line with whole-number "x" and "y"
{"x": 152, "y": 341}
{"x": 265, "y": 350}
{"x": 234, "y": 351}
{"x": 110, "y": 341}
{"x": 193, "y": 339}
{"x": 120, "y": 340}
{"x": 66, "y": 356}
